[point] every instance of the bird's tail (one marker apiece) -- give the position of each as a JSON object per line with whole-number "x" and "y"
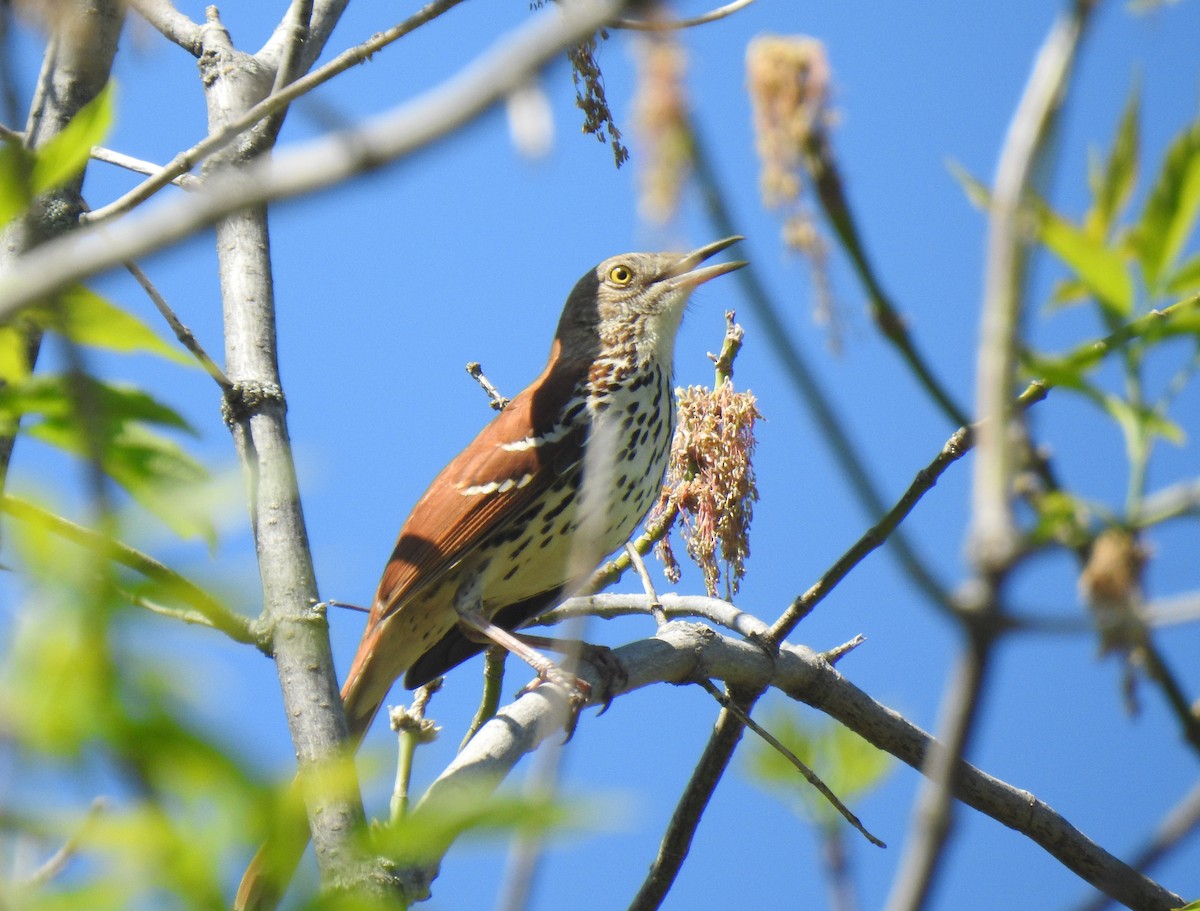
{"x": 273, "y": 865}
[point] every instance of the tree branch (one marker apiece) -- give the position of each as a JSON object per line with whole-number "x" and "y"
{"x": 994, "y": 542}
{"x": 684, "y": 652}
{"x": 310, "y": 166}
{"x": 277, "y": 101}
{"x": 172, "y": 24}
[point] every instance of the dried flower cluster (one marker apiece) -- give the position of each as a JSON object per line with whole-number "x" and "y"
{"x": 661, "y": 114}
{"x": 1111, "y": 585}
{"x": 788, "y": 78}
{"x": 710, "y": 479}
{"x": 589, "y": 95}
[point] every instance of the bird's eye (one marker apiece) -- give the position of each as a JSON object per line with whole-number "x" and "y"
{"x": 620, "y": 275}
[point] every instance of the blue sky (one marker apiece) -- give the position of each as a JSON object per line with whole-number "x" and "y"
{"x": 388, "y": 286}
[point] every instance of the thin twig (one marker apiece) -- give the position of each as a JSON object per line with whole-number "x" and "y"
{"x": 655, "y": 531}
{"x": 836, "y": 206}
{"x": 182, "y": 332}
{"x": 412, "y": 729}
{"x": 677, "y": 839}
{"x": 217, "y": 140}
{"x": 494, "y": 659}
{"x": 139, "y": 166}
{"x": 809, "y": 775}
{"x": 993, "y": 532}
{"x": 730, "y": 346}
{"x": 653, "y": 603}
{"x": 955, "y": 448}
{"x": 662, "y": 25}
{"x": 58, "y": 861}
{"x": 498, "y": 402}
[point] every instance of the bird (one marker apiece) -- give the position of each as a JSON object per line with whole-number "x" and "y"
{"x": 522, "y": 516}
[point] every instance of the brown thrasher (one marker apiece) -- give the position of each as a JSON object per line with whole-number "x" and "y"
{"x": 523, "y": 515}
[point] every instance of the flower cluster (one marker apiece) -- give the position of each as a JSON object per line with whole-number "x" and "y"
{"x": 710, "y": 479}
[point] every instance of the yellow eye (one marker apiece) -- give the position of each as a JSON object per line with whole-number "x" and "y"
{"x": 620, "y": 275}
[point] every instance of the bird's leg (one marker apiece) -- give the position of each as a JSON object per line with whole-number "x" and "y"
{"x": 613, "y": 674}
{"x": 479, "y": 628}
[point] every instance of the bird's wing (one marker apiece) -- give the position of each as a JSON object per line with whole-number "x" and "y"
{"x": 512, "y": 461}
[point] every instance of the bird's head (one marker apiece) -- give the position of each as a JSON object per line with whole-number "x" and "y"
{"x": 636, "y": 300}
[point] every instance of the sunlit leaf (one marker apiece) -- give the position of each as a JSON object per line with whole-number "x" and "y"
{"x": 1185, "y": 279}
{"x": 1170, "y": 212}
{"x": 1100, "y": 267}
{"x": 1112, "y": 185}
{"x": 14, "y": 354}
{"x": 844, "y": 761}
{"x": 427, "y": 833}
{"x": 1062, "y": 517}
{"x": 89, "y": 319}
{"x": 1159, "y": 425}
{"x": 53, "y": 396}
{"x": 15, "y": 166}
{"x": 65, "y": 154}
{"x": 1067, "y": 291}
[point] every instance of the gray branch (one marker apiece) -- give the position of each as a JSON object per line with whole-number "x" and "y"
{"x": 683, "y": 652}
{"x": 309, "y": 166}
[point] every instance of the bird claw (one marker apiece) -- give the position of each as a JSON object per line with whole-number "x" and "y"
{"x": 612, "y": 673}
{"x": 579, "y": 693}
{"x": 613, "y": 677}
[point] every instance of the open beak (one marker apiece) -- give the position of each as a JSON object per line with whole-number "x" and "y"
{"x": 684, "y": 273}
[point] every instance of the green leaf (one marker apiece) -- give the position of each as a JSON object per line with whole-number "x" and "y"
{"x": 1067, "y": 291}
{"x": 977, "y": 192}
{"x": 52, "y": 396}
{"x": 1113, "y": 186}
{"x": 1098, "y": 266}
{"x": 15, "y": 165}
{"x": 1185, "y": 279}
{"x": 86, "y": 318}
{"x": 1061, "y": 517}
{"x": 844, "y": 761}
{"x": 14, "y": 354}
{"x": 1170, "y": 212}
{"x": 65, "y": 154}
{"x": 152, "y": 468}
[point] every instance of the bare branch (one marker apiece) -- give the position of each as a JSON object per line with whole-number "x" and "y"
{"x": 221, "y": 137}
{"x": 182, "y": 332}
{"x": 137, "y": 165}
{"x": 1180, "y": 823}
{"x": 662, "y": 25}
{"x": 994, "y": 540}
{"x": 848, "y": 455}
{"x": 174, "y": 25}
{"x": 809, "y": 775}
{"x": 993, "y": 534}
{"x": 498, "y": 402}
{"x": 684, "y": 652}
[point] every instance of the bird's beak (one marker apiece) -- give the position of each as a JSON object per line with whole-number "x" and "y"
{"x": 684, "y": 273}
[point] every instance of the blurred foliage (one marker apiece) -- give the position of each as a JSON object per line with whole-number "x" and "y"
{"x": 848, "y": 764}
{"x": 1127, "y": 267}
{"x": 78, "y": 700}
{"x": 26, "y": 173}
